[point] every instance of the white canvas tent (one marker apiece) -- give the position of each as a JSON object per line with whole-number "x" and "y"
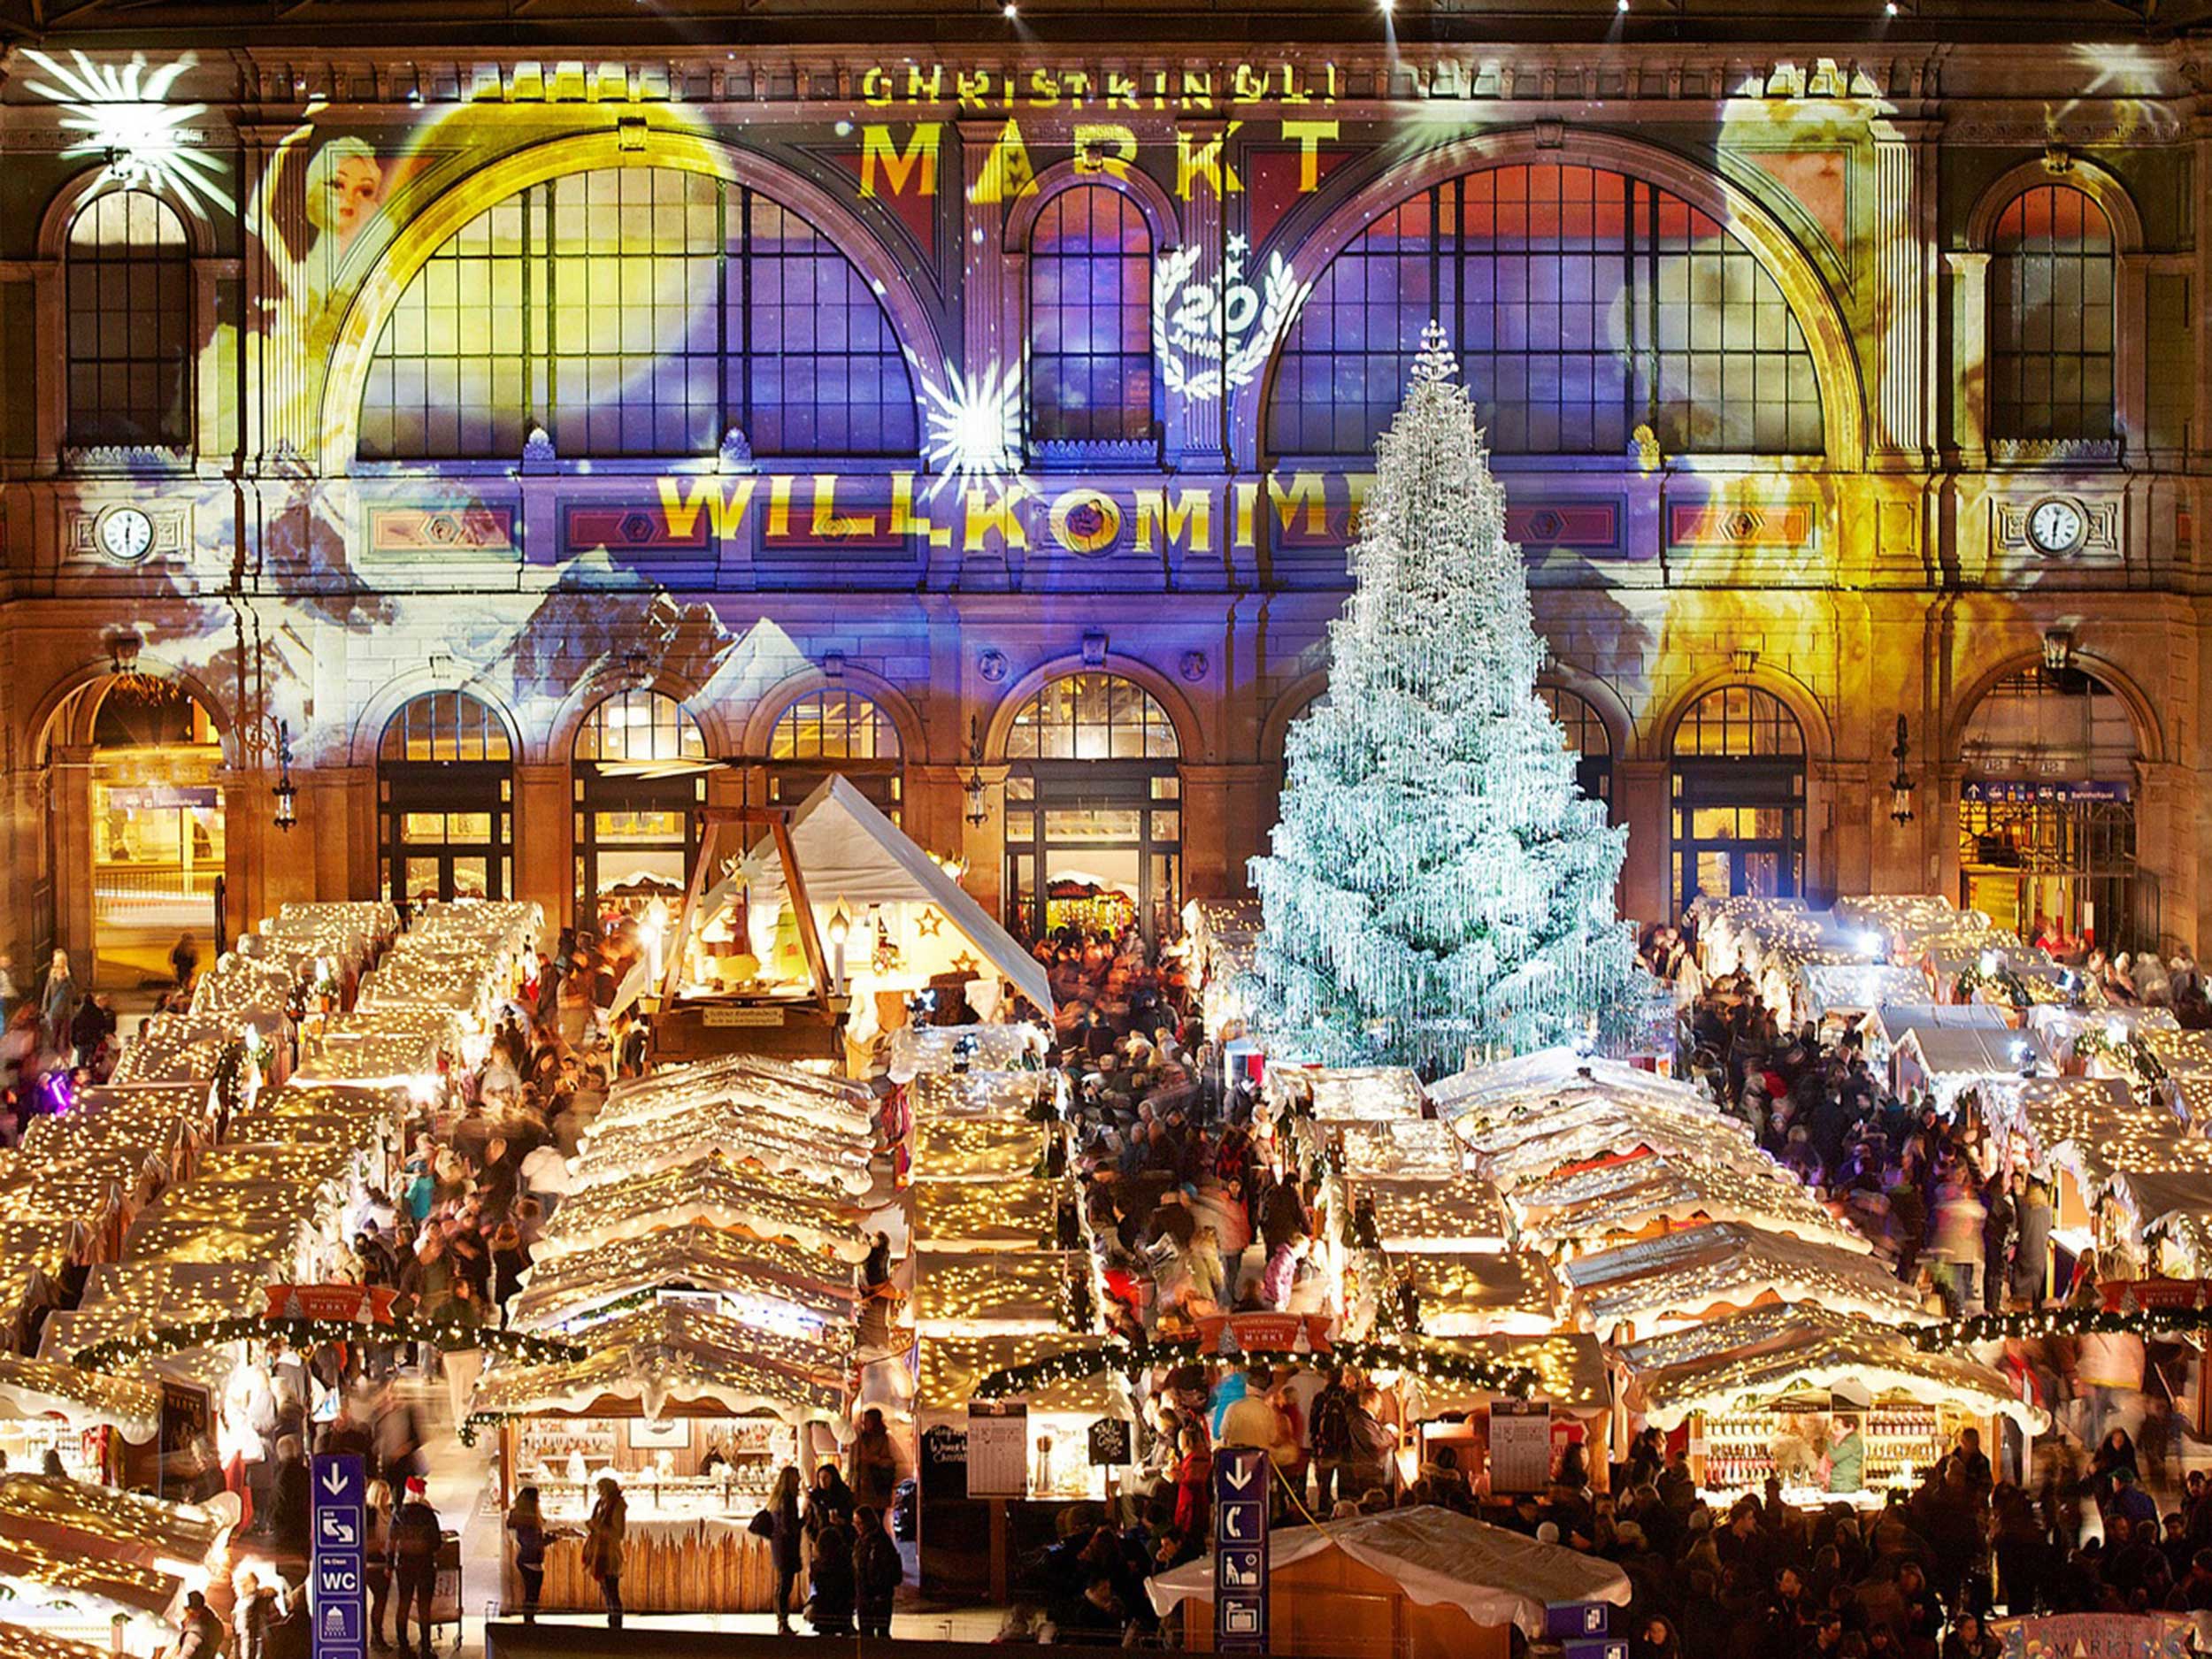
{"x": 848, "y": 851}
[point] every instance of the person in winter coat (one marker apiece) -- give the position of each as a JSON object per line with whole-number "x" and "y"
{"x": 603, "y": 1536}
{"x": 829, "y": 1606}
{"x": 786, "y": 1538}
{"x": 875, "y": 1464}
{"x": 831, "y": 1500}
{"x": 2031, "y": 1244}
{"x": 876, "y": 1573}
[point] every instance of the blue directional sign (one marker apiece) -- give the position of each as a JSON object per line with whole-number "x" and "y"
{"x": 1240, "y": 1477}
{"x": 337, "y": 1580}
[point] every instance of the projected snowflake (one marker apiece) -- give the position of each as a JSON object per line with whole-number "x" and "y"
{"x": 972, "y": 428}
{"x": 119, "y": 113}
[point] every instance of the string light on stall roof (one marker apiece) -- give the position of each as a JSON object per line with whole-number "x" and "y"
{"x": 306, "y": 1334}
{"x": 119, "y": 113}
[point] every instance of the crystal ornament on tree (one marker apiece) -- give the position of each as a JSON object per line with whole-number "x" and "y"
{"x": 1438, "y": 880}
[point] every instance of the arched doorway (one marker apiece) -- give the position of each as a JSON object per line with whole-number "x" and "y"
{"x": 1737, "y": 784}
{"x": 2047, "y": 809}
{"x": 1588, "y": 737}
{"x": 835, "y": 731}
{"x": 445, "y": 786}
{"x": 157, "y": 824}
{"x": 637, "y": 829}
{"x": 1094, "y": 809}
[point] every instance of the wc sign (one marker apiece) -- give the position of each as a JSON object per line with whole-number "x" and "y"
{"x": 337, "y": 1582}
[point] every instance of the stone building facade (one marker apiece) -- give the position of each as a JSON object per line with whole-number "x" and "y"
{"x": 474, "y": 437}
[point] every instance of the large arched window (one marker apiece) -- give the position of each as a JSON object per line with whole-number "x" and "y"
{"x": 445, "y": 801}
{"x": 833, "y": 730}
{"x": 1090, "y": 319}
{"x": 1582, "y": 305}
{"x": 156, "y": 836}
{"x": 1094, "y": 809}
{"x": 2046, "y": 810}
{"x": 637, "y": 310}
{"x": 2051, "y": 316}
{"x": 638, "y": 784}
{"x": 130, "y": 324}
{"x": 1738, "y": 789}
{"x": 1586, "y": 735}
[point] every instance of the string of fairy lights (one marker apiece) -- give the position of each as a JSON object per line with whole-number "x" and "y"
{"x": 1430, "y": 1366}
{"x": 448, "y": 1335}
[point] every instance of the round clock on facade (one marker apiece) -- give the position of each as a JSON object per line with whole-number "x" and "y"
{"x": 126, "y": 535}
{"x": 2056, "y": 526}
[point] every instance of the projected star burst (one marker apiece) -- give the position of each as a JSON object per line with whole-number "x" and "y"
{"x": 119, "y": 113}
{"x": 972, "y": 426}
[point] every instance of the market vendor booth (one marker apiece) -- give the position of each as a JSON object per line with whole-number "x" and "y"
{"x": 1512, "y": 1442}
{"x": 1840, "y": 1408}
{"x": 1423, "y": 1583}
{"x": 695, "y": 1414}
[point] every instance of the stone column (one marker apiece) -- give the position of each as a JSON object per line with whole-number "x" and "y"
{"x": 1970, "y": 358}
{"x": 544, "y": 839}
{"x": 1223, "y": 807}
{"x": 1639, "y": 798}
{"x": 1197, "y": 428}
{"x": 1905, "y": 241}
{"x": 72, "y": 819}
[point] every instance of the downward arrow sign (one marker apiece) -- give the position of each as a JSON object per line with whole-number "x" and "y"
{"x": 333, "y": 1480}
{"x": 1240, "y": 1477}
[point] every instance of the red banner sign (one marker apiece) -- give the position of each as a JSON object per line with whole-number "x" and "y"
{"x": 353, "y": 1304}
{"x": 1266, "y": 1332}
{"x": 2117, "y": 1295}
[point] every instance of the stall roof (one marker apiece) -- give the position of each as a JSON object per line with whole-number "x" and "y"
{"x": 1722, "y": 1263}
{"x": 1477, "y": 1293}
{"x": 86, "y": 1542}
{"x": 1955, "y": 1052}
{"x": 967, "y": 1294}
{"x": 1549, "y": 1072}
{"x": 949, "y": 1367}
{"x": 1856, "y": 987}
{"x": 709, "y": 1191}
{"x": 1576, "y": 1129}
{"x": 1461, "y": 1213}
{"x": 846, "y": 849}
{"x": 667, "y": 1360}
{"x": 743, "y": 1130}
{"x": 1570, "y": 1367}
{"x": 1375, "y": 1093}
{"x": 1439, "y": 1557}
{"x": 1748, "y": 1358}
{"x": 2179, "y": 1051}
{"x": 1633, "y": 1195}
{"x": 21, "y": 1641}
{"x": 1003, "y": 1095}
{"x": 1422, "y": 1151}
{"x": 2093, "y": 1127}
{"x": 977, "y": 1149}
{"x": 961, "y": 1216}
{"x": 929, "y": 1050}
{"x": 45, "y": 1387}
{"x": 691, "y": 1256}
{"x": 845, "y": 1110}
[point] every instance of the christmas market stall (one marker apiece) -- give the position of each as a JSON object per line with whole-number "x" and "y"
{"x": 709, "y": 1190}
{"x": 1596, "y": 1205}
{"x": 81, "y": 1417}
{"x": 1220, "y": 936}
{"x": 1840, "y": 1408}
{"x": 1008, "y": 1292}
{"x": 1659, "y": 1284}
{"x": 1423, "y": 1583}
{"x": 1832, "y": 995}
{"x": 913, "y": 1051}
{"x": 1945, "y": 1062}
{"x": 39, "y": 1262}
{"x": 1509, "y": 1442}
{"x": 1004, "y": 1440}
{"x": 696, "y": 1413}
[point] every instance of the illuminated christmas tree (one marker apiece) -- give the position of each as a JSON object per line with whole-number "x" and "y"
{"x": 1438, "y": 879}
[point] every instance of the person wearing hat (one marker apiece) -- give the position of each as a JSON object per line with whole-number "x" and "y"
{"x": 415, "y": 1535}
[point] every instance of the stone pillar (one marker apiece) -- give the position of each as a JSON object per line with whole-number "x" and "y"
{"x": 1905, "y": 240}
{"x": 932, "y": 812}
{"x": 1639, "y": 798}
{"x": 1223, "y": 807}
{"x": 984, "y": 844}
{"x": 544, "y": 841}
{"x": 327, "y": 821}
{"x": 1197, "y": 428}
{"x": 71, "y": 852}
{"x": 1970, "y": 358}
{"x": 2130, "y": 364}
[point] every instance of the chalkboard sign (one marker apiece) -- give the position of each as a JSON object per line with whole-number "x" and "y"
{"x": 944, "y": 1461}
{"x": 1109, "y": 1443}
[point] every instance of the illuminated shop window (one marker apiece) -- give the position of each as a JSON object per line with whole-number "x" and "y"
{"x": 1586, "y": 736}
{"x": 637, "y": 312}
{"x": 639, "y": 725}
{"x": 1090, "y": 319}
{"x": 1582, "y": 303}
{"x": 445, "y": 801}
{"x": 2051, "y": 318}
{"x": 130, "y": 323}
{"x": 833, "y": 726}
{"x": 1092, "y": 716}
{"x": 1737, "y": 787}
